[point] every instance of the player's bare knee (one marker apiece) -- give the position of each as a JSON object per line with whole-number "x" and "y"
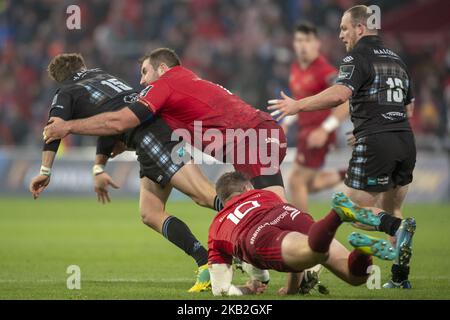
{"x": 151, "y": 218}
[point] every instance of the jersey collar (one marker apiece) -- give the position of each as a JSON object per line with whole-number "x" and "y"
{"x": 369, "y": 41}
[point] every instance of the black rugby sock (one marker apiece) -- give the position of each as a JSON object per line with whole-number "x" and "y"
{"x": 389, "y": 224}
{"x": 399, "y": 273}
{"x": 218, "y": 205}
{"x": 177, "y": 232}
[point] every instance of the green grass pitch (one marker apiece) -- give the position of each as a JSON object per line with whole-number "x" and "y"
{"x": 120, "y": 258}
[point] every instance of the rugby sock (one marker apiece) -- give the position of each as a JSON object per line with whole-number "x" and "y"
{"x": 322, "y": 232}
{"x": 358, "y": 263}
{"x": 399, "y": 273}
{"x": 177, "y": 232}
{"x": 218, "y": 205}
{"x": 389, "y": 224}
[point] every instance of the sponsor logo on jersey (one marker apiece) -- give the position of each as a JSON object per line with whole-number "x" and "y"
{"x": 145, "y": 91}
{"x": 131, "y": 98}
{"x": 347, "y": 59}
{"x": 346, "y": 72}
{"x": 394, "y": 115}
{"x": 385, "y": 52}
{"x": 54, "y": 99}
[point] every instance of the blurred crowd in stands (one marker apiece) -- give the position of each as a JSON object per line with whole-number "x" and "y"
{"x": 244, "y": 45}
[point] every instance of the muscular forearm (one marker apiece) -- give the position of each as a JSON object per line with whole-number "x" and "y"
{"x": 293, "y": 282}
{"x": 104, "y": 124}
{"x": 101, "y": 159}
{"x": 47, "y": 158}
{"x": 341, "y": 112}
{"x": 327, "y": 99}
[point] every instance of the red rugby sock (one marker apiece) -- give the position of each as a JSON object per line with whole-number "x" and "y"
{"x": 358, "y": 263}
{"x": 322, "y": 232}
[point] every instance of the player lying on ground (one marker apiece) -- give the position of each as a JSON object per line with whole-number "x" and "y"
{"x": 184, "y": 100}
{"x": 85, "y": 92}
{"x": 376, "y": 81}
{"x": 259, "y": 228}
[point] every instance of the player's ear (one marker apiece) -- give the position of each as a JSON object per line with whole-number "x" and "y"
{"x": 162, "y": 69}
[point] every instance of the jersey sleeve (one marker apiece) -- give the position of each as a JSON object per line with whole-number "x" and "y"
{"x": 62, "y": 107}
{"x": 155, "y": 95}
{"x": 353, "y": 72}
{"x": 409, "y": 93}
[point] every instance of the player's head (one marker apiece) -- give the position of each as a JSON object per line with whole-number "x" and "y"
{"x": 306, "y": 42}
{"x": 156, "y": 63}
{"x": 354, "y": 26}
{"x": 65, "y": 65}
{"x": 231, "y": 184}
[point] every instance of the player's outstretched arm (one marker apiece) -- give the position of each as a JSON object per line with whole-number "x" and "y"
{"x": 41, "y": 181}
{"x": 327, "y": 99}
{"x": 103, "y": 124}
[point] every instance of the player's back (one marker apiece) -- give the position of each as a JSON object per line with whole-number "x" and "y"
{"x": 93, "y": 91}
{"x": 238, "y": 215}
{"x": 194, "y": 99}
{"x": 382, "y": 88}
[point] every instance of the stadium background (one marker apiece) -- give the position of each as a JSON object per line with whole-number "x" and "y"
{"x": 244, "y": 45}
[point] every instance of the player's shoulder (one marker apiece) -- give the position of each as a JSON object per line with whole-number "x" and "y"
{"x": 160, "y": 85}
{"x": 352, "y": 57}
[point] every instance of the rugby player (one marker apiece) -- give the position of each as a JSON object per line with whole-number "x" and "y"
{"x": 185, "y": 101}
{"x": 260, "y": 228}
{"x": 376, "y": 81}
{"x": 85, "y": 92}
{"x": 310, "y": 74}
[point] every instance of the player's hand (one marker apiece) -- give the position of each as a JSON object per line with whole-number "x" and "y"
{"x": 282, "y": 291}
{"x": 256, "y": 287}
{"x": 351, "y": 140}
{"x": 38, "y": 184}
{"x": 56, "y": 129}
{"x": 101, "y": 183}
{"x": 119, "y": 147}
{"x": 283, "y": 107}
{"x": 317, "y": 138}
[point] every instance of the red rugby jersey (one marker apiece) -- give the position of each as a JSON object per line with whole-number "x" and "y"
{"x": 303, "y": 83}
{"x": 238, "y": 216}
{"x": 180, "y": 97}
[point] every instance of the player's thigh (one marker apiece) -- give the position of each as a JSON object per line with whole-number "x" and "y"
{"x": 373, "y": 162}
{"x": 161, "y": 154}
{"x": 297, "y": 253}
{"x": 312, "y": 158}
{"x": 337, "y": 263}
{"x": 192, "y": 182}
{"x": 153, "y": 197}
{"x": 260, "y": 160}
{"x": 301, "y": 175}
